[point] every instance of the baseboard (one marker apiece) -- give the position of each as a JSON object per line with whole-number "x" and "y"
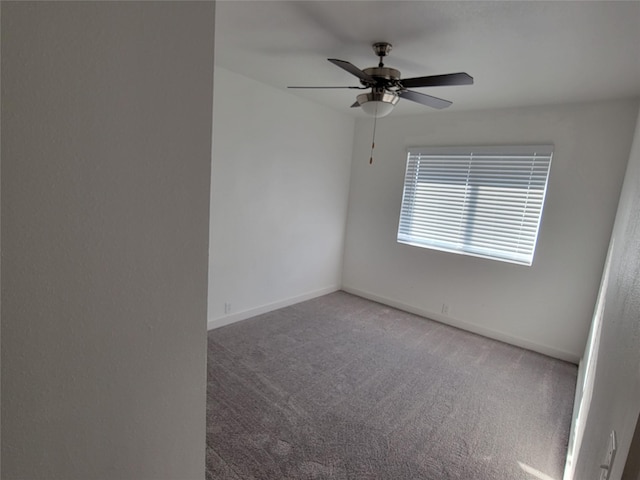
{"x": 252, "y": 312}
{"x": 470, "y": 327}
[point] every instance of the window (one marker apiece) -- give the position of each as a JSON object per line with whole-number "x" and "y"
{"x": 482, "y": 201}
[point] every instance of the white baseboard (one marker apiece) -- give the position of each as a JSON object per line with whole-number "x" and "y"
{"x": 252, "y": 312}
{"x": 470, "y": 327}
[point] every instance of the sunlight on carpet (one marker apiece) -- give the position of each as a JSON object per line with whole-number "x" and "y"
{"x": 536, "y": 473}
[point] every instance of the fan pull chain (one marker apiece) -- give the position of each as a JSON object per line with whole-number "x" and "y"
{"x": 373, "y": 139}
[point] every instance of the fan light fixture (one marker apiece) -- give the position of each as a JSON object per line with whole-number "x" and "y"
{"x": 378, "y": 104}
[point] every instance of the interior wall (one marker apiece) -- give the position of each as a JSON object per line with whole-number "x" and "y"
{"x": 546, "y": 307}
{"x": 106, "y": 154}
{"x": 615, "y": 398}
{"x": 280, "y": 181}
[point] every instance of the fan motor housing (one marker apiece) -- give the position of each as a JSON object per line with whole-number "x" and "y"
{"x": 389, "y": 76}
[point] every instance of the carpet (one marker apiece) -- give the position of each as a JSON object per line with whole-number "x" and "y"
{"x": 340, "y": 387}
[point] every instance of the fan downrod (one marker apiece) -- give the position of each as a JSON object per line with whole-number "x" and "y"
{"x": 382, "y": 49}
{"x": 385, "y": 77}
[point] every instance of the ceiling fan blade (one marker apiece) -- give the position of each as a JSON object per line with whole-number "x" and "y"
{"x": 353, "y": 70}
{"x": 427, "y": 100}
{"x": 438, "y": 80}
{"x": 357, "y": 88}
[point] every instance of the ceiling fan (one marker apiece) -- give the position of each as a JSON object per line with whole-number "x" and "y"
{"x": 387, "y": 87}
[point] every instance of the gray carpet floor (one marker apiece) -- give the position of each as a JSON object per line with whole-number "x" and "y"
{"x": 340, "y": 387}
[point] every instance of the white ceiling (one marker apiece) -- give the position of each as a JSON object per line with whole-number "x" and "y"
{"x": 519, "y": 52}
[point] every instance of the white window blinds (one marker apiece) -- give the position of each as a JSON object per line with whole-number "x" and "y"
{"x": 482, "y": 201}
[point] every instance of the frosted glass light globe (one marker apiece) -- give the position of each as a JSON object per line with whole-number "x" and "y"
{"x": 378, "y": 104}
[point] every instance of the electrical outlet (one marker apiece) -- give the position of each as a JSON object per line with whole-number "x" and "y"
{"x": 227, "y": 307}
{"x": 445, "y": 309}
{"x": 607, "y": 465}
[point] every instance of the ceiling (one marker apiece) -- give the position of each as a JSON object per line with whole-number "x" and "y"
{"x": 520, "y": 53}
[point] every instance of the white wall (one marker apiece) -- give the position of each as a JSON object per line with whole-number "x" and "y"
{"x": 106, "y": 151}
{"x": 546, "y": 307}
{"x": 615, "y": 400}
{"x": 279, "y": 190}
